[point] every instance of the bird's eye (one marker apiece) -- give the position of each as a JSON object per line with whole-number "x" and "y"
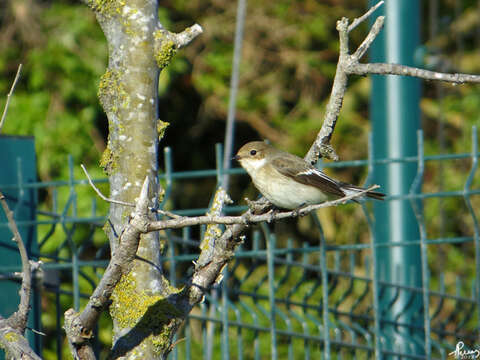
{"x": 253, "y": 152}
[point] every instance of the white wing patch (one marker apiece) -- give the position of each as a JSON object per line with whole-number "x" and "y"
{"x": 315, "y": 172}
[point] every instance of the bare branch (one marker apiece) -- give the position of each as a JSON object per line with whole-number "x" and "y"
{"x": 119, "y": 202}
{"x": 248, "y": 217}
{"x": 9, "y": 96}
{"x": 394, "y": 69}
{"x": 213, "y": 231}
{"x": 365, "y": 16}
{"x": 187, "y": 36}
{"x": 349, "y": 65}
{"x": 367, "y": 42}
{"x": 18, "y": 320}
{"x": 321, "y": 146}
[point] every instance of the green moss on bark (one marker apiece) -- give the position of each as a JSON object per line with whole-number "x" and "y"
{"x": 153, "y": 316}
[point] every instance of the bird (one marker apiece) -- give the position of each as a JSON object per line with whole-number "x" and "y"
{"x": 290, "y": 182}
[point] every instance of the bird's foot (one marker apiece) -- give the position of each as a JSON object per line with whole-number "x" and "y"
{"x": 258, "y": 206}
{"x": 300, "y": 211}
{"x": 272, "y": 214}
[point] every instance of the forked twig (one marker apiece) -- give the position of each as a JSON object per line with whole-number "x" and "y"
{"x": 348, "y": 64}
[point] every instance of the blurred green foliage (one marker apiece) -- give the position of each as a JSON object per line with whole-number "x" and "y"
{"x": 288, "y": 63}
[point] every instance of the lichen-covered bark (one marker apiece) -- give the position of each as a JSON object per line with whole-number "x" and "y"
{"x": 145, "y": 308}
{"x": 128, "y": 94}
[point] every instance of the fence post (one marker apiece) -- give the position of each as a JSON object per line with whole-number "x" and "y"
{"x": 395, "y": 119}
{"x": 17, "y": 156}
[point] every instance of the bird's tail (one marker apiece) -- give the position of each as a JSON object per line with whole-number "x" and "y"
{"x": 352, "y": 189}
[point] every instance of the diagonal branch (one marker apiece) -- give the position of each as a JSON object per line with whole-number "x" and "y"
{"x": 367, "y": 42}
{"x": 13, "y": 328}
{"x": 365, "y": 16}
{"x": 79, "y": 327}
{"x": 9, "y": 96}
{"x": 18, "y": 320}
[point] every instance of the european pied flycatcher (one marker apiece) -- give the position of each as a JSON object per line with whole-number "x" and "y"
{"x": 288, "y": 181}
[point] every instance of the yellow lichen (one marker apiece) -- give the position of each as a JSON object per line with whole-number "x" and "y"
{"x": 166, "y": 51}
{"x": 214, "y": 231}
{"x": 149, "y": 314}
{"x": 161, "y": 127}
{"x": 111, "y": 91}
{"x": 108, "y": 160}
{"x": 106, "y": 7}
{"x": 11, "y": 336}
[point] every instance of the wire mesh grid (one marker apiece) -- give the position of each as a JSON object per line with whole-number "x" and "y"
{"x": 283, "y": 296}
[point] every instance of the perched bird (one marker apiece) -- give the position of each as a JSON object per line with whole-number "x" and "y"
{"x": 288, "y": 181}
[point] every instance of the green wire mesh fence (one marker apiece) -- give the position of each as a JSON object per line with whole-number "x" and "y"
{"x": 286, "y": 295}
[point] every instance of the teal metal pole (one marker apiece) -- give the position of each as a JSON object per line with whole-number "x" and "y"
{"x": 18, "y": 169}
{"x": 395, "y": 120}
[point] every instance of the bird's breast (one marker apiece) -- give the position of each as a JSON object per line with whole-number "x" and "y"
{"x": 284, "y": 191}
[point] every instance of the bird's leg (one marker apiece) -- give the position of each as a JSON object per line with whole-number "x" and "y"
{"x": 259, "y": 206}
{"x": 273, "y": 212}
{"x": 299, "y": 210}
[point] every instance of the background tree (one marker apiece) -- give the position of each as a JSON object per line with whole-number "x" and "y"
{"x": 269, "y": 106}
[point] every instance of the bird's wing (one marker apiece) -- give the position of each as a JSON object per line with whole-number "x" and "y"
{"x": 306, "y": 175}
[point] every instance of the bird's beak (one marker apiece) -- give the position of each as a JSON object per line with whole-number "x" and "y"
{"x": 236, "y": 157}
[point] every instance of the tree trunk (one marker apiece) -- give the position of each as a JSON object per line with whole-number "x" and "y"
{"x": 128, "y": 92}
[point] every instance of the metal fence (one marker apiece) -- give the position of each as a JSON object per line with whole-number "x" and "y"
{"x": 286, "y": 295}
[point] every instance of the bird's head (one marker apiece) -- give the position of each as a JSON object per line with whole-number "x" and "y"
{"x": 253, "y": 155}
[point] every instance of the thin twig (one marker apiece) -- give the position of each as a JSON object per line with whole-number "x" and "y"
{"x": 99, "y": 193}
{"x": 394, "y": 69}
{"x": 367, "y": 42}
{"x": 9, "y": 96}
{"x": 249, "y": 218}
{"x": 119, "y": 202}
{"x": 19, "y": 318}
{"x": 365, "y": 16}
{"x": 38, "y": 332}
